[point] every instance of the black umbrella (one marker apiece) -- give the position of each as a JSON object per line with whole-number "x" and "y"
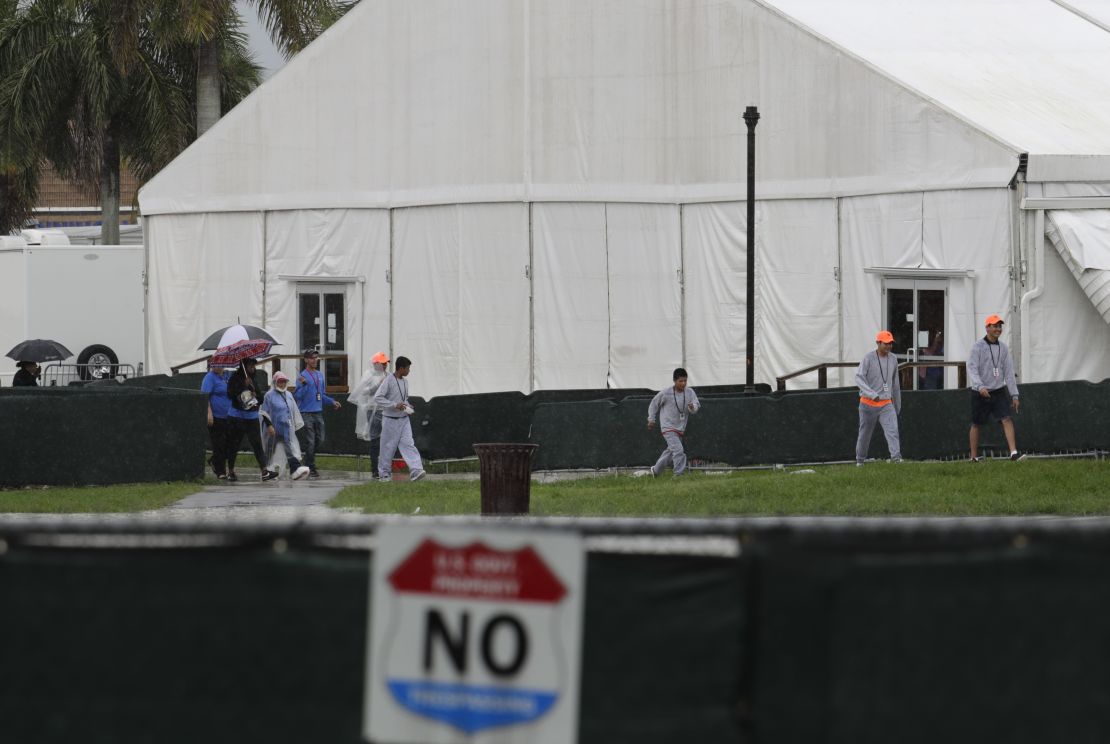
{"x": 239, "y": 332}
{"x": 39, "y": 350}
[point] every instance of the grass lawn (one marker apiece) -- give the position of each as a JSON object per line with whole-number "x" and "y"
{"x": 131, "y": 497}
{"x": 1063, "y": 487}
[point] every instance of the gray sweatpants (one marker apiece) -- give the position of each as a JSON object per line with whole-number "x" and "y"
{"x": 673, "y": 454}
{"x": 886, "y": 416}
{"x": 397, "y": 434}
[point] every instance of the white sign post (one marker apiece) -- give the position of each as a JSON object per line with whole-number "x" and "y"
{"x": 475, "y": 636}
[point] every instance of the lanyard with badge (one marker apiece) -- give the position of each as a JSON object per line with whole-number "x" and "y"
{"x": 315, "y": 383}
{"x": 682, "y": 410}
{"x": 882, "y": 376}
{"x": 994, "y": 362}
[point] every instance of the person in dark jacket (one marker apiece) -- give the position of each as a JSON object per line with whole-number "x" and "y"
{"x": 243, "y": 416}
{"x": 27, "y": 376}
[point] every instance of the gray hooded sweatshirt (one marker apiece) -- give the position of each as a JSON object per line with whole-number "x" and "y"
{"x": 672, "y": 408}
{"x": 874, "y": 372}
{"x": 982, "y": 362}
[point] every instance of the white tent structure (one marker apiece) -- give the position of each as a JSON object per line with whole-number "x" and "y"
{"x": 537, "y": 194}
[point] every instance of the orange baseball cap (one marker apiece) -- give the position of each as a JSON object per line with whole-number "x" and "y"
{"x": 380, "y": 358}
{"x": 992, "y": 319}
{"x": 885, "y": 336}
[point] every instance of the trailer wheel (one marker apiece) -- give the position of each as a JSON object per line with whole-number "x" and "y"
{"x": 97, "y": 362}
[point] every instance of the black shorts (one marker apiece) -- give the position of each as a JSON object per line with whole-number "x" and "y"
{"x": 998, "y": 405}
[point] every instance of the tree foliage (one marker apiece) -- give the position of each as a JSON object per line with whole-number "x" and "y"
{"x": 88, "y": 84}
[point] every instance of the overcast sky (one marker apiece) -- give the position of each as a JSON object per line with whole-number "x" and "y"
{"x": 264, "y": 51}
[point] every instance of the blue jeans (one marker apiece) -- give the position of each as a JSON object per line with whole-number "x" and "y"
{"x": 313, "y": 434}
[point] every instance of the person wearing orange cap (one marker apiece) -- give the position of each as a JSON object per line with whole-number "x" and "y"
{"x": 994, "y": 391}
{"x": 368, "y": 420}
{"x": 880, "y": 398}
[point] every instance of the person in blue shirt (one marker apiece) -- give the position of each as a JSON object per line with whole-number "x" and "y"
{"x": 311, "y": 397}
{"x": 214, "y": 386}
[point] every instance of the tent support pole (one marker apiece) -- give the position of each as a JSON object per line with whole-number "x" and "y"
{"x": 751, "y": 118}
{"x": 531, "y": 302}
{"x": 682, "y": 279}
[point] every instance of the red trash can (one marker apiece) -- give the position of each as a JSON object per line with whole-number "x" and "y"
{"x": 505, "y": 472}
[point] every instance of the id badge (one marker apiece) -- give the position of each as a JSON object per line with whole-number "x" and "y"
{"x": 318, "y": 395}
{"x": 886, "y": 388}
{"x": 996, "y": 371}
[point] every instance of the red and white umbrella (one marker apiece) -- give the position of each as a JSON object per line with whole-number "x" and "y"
{"x": 233, "y": 353}
{"x": 238, "y": 332}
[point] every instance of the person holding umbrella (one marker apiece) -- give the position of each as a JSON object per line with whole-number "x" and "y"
{"x": 29, "y": 353}
{"x": 27, "y": 376}
{"x": 243, "y": 414}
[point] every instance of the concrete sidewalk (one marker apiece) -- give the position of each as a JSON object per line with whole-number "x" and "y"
{"x": 252, "y": 493}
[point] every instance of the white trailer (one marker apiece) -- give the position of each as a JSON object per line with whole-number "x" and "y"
{"x": 89, "y": 298}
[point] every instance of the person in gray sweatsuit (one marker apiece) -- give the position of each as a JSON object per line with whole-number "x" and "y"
{"x": 392, "y": 398}
{"x": 672, "y": 406}
{"x": 994, "y": 390}
{"x": 880, "y": 398}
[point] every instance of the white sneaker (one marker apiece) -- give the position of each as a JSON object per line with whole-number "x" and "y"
{"x": 385, "y": 479}
{"x": 300, "y": 472}
{"x": 640, "y": 473}
{"x": 417, "y": 475}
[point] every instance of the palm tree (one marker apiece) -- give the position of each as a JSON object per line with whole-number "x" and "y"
{"x": 17, "y": 183}
{"x": 292, "y": 24}
{"x": 85, "y": 84}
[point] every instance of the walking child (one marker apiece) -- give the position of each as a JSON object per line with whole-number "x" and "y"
{"x": 672, "y": 407}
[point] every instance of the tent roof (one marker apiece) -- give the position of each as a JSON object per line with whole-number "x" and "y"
{"x": 1030, "y": 72}
{"x": 436, "y": 101}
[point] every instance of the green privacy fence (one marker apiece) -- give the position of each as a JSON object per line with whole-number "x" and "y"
{"x": 100, "y": 434}
{"x": 148, "y": 431}
{"x": 815, "y": 426}
{"x": 832, "y": 631}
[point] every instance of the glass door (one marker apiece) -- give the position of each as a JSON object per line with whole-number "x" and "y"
{"x": 915, "y": 312}
{"x": 322, "y": 324}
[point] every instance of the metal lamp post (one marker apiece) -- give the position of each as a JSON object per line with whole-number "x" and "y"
{"x": 751, "y": 118}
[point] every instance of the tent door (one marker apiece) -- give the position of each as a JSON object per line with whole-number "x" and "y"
{"x": 915, "y": 310}
{"x": 322, "y": 323}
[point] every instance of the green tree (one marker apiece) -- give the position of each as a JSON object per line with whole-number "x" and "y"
{"x": 88, "y": 84}
{"x": 292, "y": 24}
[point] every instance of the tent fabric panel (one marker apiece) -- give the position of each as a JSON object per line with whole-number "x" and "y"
{"x": 955, "y": 230}
{"x": 972, "y": 230}
{"x": 203, "y": 274}
{"x": 1072, "y": 340}
{"x": 796, "y": 320}
{"x": 645, "y": 294}
{"x": 570, "y": 297}
{"x": 425, "y": 283}
{"x": 326, "y": 243}
{"x": 494, "y": 316}
{"x": 875, "y": 231}
{"x": 715, "y": 274}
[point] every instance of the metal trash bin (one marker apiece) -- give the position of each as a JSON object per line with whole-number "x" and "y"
{"x": 505, "y": 472}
